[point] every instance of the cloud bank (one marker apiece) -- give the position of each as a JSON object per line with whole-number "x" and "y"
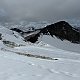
{"x": 41, "y": 9}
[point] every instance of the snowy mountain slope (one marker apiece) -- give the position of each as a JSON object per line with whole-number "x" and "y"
{"x": 65, "y": 45}
{"x": 50, "y": 52}
{"x": 60, "y": 34}
{"x": 62, "y": 65}
{"x": 16, "y": 67}
{"x": 11, "y": 36}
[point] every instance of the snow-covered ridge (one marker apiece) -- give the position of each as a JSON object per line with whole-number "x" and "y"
{"x": 68, "y": 35}
{"x": 62, "y": 30}
{"x": 22, "y": 60}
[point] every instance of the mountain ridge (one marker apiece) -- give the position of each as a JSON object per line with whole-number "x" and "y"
{"x": 62, "y": 30}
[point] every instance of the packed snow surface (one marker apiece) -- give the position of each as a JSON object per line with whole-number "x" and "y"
{"x": 63, "y": 65}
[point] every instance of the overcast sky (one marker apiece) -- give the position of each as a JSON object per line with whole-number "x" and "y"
{"x": 40, "y": 9}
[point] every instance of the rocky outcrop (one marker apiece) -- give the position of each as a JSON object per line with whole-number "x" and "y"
{"x": 17, "y": 30}
{"x": 31, "y": 36}
{"x": 0, "y": 36}
{"x": 62, "y": 30}
{"x": 10, "y": 44}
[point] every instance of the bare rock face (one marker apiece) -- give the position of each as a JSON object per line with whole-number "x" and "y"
{"x": 78, "y": 28}
{"x": 0, "y": 36}
{"x": 10, "y": 44}
{"x": 62, "y": 30}
{"x": 31, "y": 36}
{"x": 17, "y": 30}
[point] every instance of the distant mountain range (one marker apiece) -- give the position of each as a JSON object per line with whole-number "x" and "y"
{"x": 62, "y": 30}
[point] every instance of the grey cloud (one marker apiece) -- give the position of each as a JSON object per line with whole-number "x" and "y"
{"x": 41, "y": 9}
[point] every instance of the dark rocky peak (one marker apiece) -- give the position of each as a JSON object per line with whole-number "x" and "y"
{"x": 62, "y": 30}
{"x": 62, "y": 25}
